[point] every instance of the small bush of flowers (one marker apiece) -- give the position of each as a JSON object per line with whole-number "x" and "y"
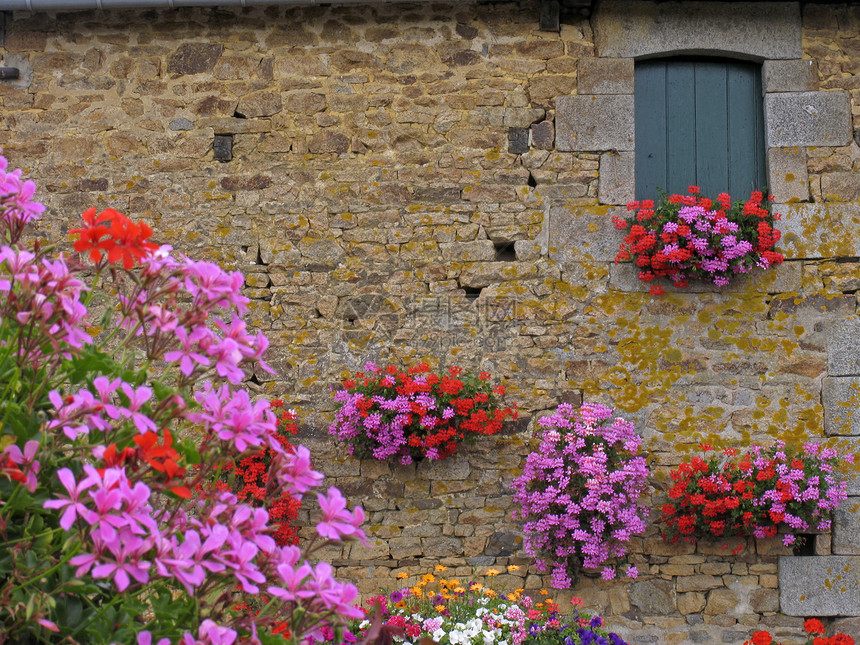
{"x": 415, "y": 414}
{"x": 579, "y": 493}
{"x": 685, "y": 237}
{"x": 454, "y": 612}
{"x": 754, "y": 492}
{"x": 104, "y": 538}
{"x": 815, "y": 631}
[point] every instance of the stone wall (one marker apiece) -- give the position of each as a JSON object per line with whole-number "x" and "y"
{"x": 389, "y": 179}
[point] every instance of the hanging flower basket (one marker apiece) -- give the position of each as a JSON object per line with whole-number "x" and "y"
{"x": 684, "y": 237}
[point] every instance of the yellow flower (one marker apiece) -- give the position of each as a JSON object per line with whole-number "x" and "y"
{"x": 417, "y": 592}
{"x": 475, "y": 586}
{"x": 539, "y": 605}
{"x": 453, "y": 583}
{"x": 490, "y": 593}
{"x": 513, "y": 567}
{"x": 447, "y": 596}
{"x": 427, "y": 578}
{"x": 492, "y": 572}
{"x": 401, "y": 604}
{"x": 439, "y": 608}
{"x": 512, "y": 597}
{"x": 459, "y": 590}
{"x": 544, "y": 592}
{"x": 441, "y": 568}
{"x": 402, "y": 575}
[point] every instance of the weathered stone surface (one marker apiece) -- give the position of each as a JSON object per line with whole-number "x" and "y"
{"x": 653, "y": 597}
{"x": 543, "y": 135}
{"x": 324, "y": 142}
{"x": 790, "y": 75}
{"x": 616, "y": 184}
{"x": 808, "y": 119}
{"x": 605, "y": 76}
{"x": 261, "y": 103}
{"x": 840, "y": 396}
{"x": 193, "y": 58}
{"x": 477, "y": 251}
{"x": 819, "y": 230}
{"x": 698, "y": 582}
{"x": 691, "y": 603}
{"x": 720, "y": 602}
{"x": 843, "y": 348}
{"x": 846, "y": 528}
{"x": 627, "y": 29}
{"x": 840, "y": 186}
{"x": 594, "y": 122}
{"x": 583, "y": 232}
{"x": 483, "y": 274}
{"x": 789, "y": 179}
{"x": 825, "y": 585}
{"x": 518, "y": 140}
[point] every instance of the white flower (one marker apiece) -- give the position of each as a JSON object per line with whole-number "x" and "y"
{"x": 489, "y": 637}
{"x": 438, "y": 635}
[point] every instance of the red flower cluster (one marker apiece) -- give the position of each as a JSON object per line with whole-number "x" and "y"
{"x": 690, "y": 236}
{"x": 114, "y": 233}
{"x": 416, "y": 413}
{"x": 815, "y": 630}
{"x": 753, "y": 493}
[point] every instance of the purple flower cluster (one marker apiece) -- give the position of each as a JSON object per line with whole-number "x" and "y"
{"x": 579, "y": 492}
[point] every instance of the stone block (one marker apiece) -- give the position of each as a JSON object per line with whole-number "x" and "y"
{"x": 698, "y": 583}
{"x": 605, "y": 76}
{"x": 848, "y": 626}
{"x": 193, "y": 58}
{"x": 811, "y": 231}
{"x": 616, "y": 183}
{"x": 790, "y": 75}
{"x": 843, "y": 348}
{"x": 630, "y": 29}
{"x": 784, "y": 278}
{"x": 543, "y": 135}
{"x": 691, "y": 603}
{"x": 579, "y": 233}
{"x": 819, "y": 585}
{"x": 841, "y": 398}
{"x": 840, "y": 186}
{"x": 789, "y": 179}
{"x": 653, "y": 597}
{"x": 594, "y": 122}
{"x": 846, "y": 528}
{"x": 808, "y": 119}
{"x": 259, "y": 104}
{"x": 721, "y": 602}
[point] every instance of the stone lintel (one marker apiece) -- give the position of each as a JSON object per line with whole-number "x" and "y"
{"x": 819, "y": 585}
{"x": 757, "y": 31}
{"x": 840, "y": 396}
{"x": 808, "y": 119}
{"x": 591, "y": 122}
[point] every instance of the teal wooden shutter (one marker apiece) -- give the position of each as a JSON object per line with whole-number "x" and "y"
{"x": 699, "y": 122}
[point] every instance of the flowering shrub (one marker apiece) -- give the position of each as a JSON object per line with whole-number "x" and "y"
{"x": 415, "y": 413}
{"x": 579, "y": 493}
{"x": 690, "y": 236}
{"x": 754, "y": 492}
{"x": 451, "y": 612}
{"x": 103, "y": 539}
{"x": 815, "y": 631}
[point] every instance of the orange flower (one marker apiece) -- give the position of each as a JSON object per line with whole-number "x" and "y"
{"x": 114, "y": 233}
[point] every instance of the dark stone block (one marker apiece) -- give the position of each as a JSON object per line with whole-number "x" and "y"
{"x": 543, "y": 135}
{"x": 502, "y": 544}
{"x": 466, "y": 31}
{"x": 518, "y": 141}
{"x": 223, "y": 147}
{"x": 194, "y": 59}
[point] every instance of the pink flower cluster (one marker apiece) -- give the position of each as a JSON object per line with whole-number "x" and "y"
{"x": 579, "y": 493}
{"x": 93, "y": 444}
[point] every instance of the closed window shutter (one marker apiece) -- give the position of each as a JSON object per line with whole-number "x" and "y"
{"x": 699, "y": 122}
